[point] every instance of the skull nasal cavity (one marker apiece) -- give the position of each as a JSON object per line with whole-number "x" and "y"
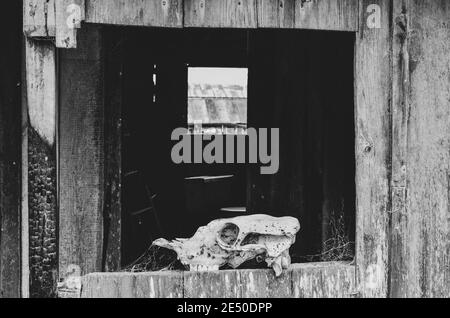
{"x": 229, "y": 234}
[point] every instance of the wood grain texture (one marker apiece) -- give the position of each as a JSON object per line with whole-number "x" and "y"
{"x": 223, "y": 284}
{"x": 69, "y": 15}
{"x": 276, "y": 14}
{"x": 224, "y": 13}
{"x": 82, "y": 154}
{"x": 264, "y": 284}
{"x": 113, "y": 151}
{"x": 338, "y": 15}
{"x": 158, "y": 13}
{"x": 10, "y": 157}
{"x": 421, "y": 160}
{"x": 302, "y": 280}
{"x": 41, "y": 166}
{"x": 324, "y": 280}
{"x": 128, "y": 285}
{"x": 39, "y": 18}
{"x": 373, "y": 89}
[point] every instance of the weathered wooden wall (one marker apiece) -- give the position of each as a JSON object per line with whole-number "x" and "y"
{"x": 402, "y": 134}
{"x": 81, "y": 154}
{"x": 10, "y": 136}
{"x": 420, "y": 250}
{"x": 332, "y": 280}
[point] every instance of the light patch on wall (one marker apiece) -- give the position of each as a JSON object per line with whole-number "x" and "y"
{"x": 217, "y": 100}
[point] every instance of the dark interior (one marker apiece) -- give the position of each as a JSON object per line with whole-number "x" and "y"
{"x": 299, "y": 81}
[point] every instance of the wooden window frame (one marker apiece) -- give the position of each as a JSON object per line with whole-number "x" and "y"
{"x": 372, "y": 107}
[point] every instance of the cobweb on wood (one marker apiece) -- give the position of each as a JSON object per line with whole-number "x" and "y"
{"x": 338, "y": 247}
{"x": 155, "y": 259}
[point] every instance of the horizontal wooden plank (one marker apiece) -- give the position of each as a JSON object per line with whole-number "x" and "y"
{"x": 157, "y": 13}
{"x": 219, "y": 14}
{"x": 337, "y": 15}
{"x": 264, "y": 284}
{"x": 45, "y": 19}
{"x": 302, "y": 280}
{"x": 276, "y": 13}
{"x": 324, "y": 280}
{"x": 221, "y": 284}
{"x": 133, "y": 285}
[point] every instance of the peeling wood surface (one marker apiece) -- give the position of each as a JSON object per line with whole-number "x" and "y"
{"x": 41, "y": 161}
{"x": 338, "y": 15}
{"x": 335, "y": 280}
{"x": 372, "y": 80}
{"x": 157, "y": 13}
{"x": 10, "y": 145}
{"x": 39, "y": 18}
{"x": 421, "y": 159}
{"x": 224, "y": 13}
{"x": 81, "y": 154}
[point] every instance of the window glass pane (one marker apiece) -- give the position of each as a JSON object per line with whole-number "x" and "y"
{"x": 217, "y": 100}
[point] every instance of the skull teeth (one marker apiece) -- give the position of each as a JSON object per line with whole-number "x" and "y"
{"x": 204, "y": 268}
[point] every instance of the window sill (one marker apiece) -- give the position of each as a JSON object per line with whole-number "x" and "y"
{"x": 315, "y": 280}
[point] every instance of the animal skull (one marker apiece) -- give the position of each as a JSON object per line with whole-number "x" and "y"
{"x": 237, "y": 240}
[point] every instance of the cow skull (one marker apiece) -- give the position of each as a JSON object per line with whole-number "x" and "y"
{"x": 237, "y": 240}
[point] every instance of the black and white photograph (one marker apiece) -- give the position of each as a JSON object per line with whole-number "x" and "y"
{"x": 236, "y": 151}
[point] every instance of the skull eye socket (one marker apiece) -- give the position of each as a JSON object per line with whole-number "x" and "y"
{"x": 251, "y": 238}
{"x": 229, "y": 234}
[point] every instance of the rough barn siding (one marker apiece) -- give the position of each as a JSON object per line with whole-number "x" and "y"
{"x": 420, "y": 262}
{"x": 373, "y": 138}
{"x": 10, "y": 73}
{"x": 81, "y": 154}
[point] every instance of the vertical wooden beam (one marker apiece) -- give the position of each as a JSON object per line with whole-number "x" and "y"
{"x": 41, "y": 163}
{"x": 337, "y": 15}
{"x": 113, "y": 150}
{"x": 10, "y": 73}
{"x": 39, "y": 18}
{"x": 421, "y": 141}
{"x": 373, "y": 89}
{"x": 81, "y": 154}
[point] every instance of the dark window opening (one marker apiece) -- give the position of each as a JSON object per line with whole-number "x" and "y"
{"x": 298, "y": 81}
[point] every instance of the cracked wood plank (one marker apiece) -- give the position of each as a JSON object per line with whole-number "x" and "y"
{"x": 373, "y": 142}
